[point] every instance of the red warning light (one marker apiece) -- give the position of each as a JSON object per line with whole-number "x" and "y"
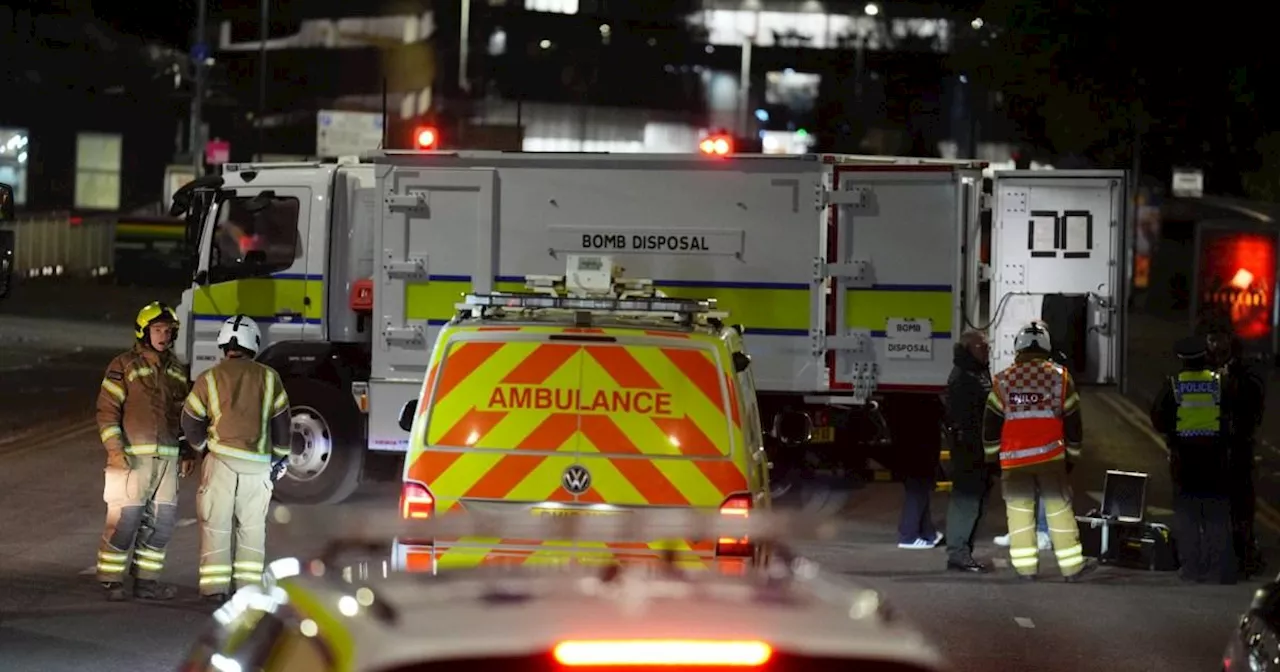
{"x": 1237, "y": 279}
{"x": 717, "y": 145}
{"x": 425, "y": 137}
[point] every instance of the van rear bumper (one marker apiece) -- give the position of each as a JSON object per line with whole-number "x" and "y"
{"x": 463, "y": 554}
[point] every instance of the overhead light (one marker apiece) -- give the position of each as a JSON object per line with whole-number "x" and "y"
{"x": 545, "y": 44}
{"x": 871, "y": 9}
{"x": 977, "y": 23}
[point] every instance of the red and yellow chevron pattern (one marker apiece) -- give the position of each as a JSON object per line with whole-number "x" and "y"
{"x": 654, "y": 419}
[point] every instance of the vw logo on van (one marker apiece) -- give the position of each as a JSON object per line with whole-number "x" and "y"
{"x": 576, "y": 479}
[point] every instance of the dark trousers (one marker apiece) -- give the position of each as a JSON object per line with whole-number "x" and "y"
{"x": 1243, "y": 504}
{"x": 969, "y": 488}
{"x": 1204, "y": 541}
{"x": 917, "y": 518}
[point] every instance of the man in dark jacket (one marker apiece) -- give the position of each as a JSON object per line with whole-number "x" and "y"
{"x": 965, "y": 399}
{"x": 1190, "y": 412}
{"x": 1244, "y": 394}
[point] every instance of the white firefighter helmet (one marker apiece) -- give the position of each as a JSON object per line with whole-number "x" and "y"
{"x": 240, "y": 331}
{"x": 1032, "y": 336}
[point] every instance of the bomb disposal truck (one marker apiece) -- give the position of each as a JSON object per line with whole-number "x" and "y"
{"x": 851, "y": 277}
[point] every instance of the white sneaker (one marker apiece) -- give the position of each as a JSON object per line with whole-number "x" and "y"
{"x": 1044, "y": 541}
{"x": 919, "y": 544}
{"x": 937, "y": 539}
{"x": 1002, "y": 540}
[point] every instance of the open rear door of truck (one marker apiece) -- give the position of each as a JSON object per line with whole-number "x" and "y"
{"x": 433, "y": 242}
{"x": 1058, "y": 255}
{"x": 894, "y": 262}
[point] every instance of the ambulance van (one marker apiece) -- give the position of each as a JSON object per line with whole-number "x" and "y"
{"x": 597, "y": 401}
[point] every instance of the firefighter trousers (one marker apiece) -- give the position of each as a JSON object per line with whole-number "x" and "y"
{"x": 232, "y": 507}
{"x": 1020, "y": 486}
{"x": 142, "y": 509}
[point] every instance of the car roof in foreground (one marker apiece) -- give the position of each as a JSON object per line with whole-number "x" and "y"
{"x": 521, "y": 611}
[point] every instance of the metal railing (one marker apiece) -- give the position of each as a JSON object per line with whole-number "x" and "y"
{"x": 59, "y": 244}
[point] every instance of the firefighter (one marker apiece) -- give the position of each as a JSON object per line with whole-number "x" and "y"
{"x": 238, "y": 414}
{"x": 138, "y": 411}
{"x": 1244, "y": 396}
{"x": 1189, "y": 412}
{"x": 1032, "y": 423}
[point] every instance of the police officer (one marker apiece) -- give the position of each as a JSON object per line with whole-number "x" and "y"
{"x": 1243, "y": 402}
{"x": 967, "y": 391}
{"x": 1188, "y": 411}
{"x": 138, "y": 410}
{"x": 1032, "y": 423}
{"x": 238, "y": 413}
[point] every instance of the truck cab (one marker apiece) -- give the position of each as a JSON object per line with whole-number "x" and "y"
{"x": 273, "y": 242}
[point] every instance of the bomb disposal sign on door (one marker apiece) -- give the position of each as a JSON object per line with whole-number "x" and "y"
{"x": 909, "y": 338}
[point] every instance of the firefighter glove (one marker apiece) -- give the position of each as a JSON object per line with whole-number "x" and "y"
{"x": 116, "y": 459}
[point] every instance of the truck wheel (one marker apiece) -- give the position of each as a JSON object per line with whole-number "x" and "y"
{"x": 328, "y": 453}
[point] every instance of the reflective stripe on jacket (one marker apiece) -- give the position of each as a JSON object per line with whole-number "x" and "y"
{"x": 239, "y": 402}
{"x": 1033, "y": 396}
{"x": 139, "y": 406}
{"x": 1198, "y": 395}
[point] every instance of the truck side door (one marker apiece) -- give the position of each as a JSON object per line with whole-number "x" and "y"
{"x": 253, "y": 261}
{"x": 1058, "y": 256}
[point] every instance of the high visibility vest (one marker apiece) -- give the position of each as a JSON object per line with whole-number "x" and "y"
{"x": 1033, "y": 394}
{"x": 1199, "y": 398}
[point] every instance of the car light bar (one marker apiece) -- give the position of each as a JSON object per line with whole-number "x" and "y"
{"x": 532, "y": 301}
{"x": 663, "y": 652}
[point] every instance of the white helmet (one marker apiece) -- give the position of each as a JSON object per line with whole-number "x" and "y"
{"x": 240, "y": 331}
{"x": 1032, "y": 336}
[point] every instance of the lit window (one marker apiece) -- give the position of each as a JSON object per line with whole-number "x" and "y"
{"x": 98, "y": 171}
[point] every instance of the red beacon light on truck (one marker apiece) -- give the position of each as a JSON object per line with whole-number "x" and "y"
{"x": 425, "y": 137}
{"x": 717, "y": 144}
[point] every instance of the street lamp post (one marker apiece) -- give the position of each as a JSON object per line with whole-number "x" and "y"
{"x": 199, "y": 53}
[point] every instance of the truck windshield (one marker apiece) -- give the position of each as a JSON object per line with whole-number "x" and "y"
{"x": 255, "y": 235}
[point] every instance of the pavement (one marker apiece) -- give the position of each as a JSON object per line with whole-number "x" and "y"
{"x": 53, "y": 616}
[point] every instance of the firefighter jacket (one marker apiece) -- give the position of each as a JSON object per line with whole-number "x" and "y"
{"x": 139, "y": 405}
{"x": 1032, "y": 414}
{"x": 1190, "y": 412}
{"x": 238, "y": 410}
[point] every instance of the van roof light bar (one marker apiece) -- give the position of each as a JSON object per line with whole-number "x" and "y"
{"x": 633, "y": 305}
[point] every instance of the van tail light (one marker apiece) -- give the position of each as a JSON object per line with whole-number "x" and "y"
{"x": 662, "y": 652}
{"x": 739, "y": 505}
{"x": 416, "y": 502}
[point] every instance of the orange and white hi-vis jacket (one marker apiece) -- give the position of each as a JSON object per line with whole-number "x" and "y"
{"x": 1032, "y": 414}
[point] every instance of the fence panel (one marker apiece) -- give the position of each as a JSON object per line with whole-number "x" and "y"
{"x": 57, "y": 244}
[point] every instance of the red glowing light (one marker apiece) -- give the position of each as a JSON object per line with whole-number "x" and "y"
{"x": 425, "y": 137}
{"x": 1242, "y": 279}
{"x": 1237, "y": 278}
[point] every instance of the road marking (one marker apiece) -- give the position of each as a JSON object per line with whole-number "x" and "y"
{"x": 1023, "y": 622}
{"x": 1265, "y": 513}
{"x": 1001, "y": 563}
{"x": 91, "y": 569}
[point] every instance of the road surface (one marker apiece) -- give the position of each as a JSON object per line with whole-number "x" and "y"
{"x": 53, "y": 617}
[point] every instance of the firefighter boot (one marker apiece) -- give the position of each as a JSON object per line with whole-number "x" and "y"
{"x": 1086, "y": 568}
{"x": 147, "y": 589}
{"x": 115, "y": 591}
